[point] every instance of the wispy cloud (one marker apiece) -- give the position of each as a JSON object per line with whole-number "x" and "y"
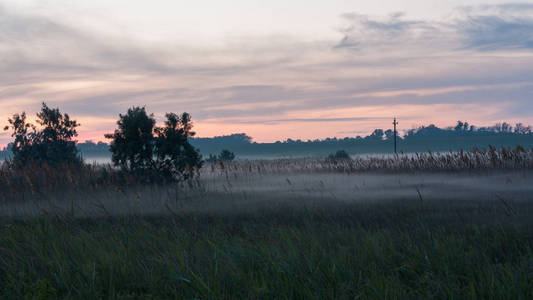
{"x": 499, "y": 27}
{"x": 487, "y": 27}
{"x": 364, "y": 31}
{"x": 379, "y": 67}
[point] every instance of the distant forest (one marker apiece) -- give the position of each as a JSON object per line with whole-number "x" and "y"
{"x": 425, "y": 138}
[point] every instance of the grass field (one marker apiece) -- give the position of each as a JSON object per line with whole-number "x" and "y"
{"x": 257, "y": 230}
{"x": 337, "y": 252}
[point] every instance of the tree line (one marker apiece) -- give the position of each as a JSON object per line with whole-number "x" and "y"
{"x": 138, "y": 145}
{"x": 429, "y": 131}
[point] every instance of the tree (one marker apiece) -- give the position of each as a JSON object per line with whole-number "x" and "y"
{"x": 459, "y": 126}
{"x": 389, "y": 135}
{"x": 132, "y": 143}
{"x": 175, "y": 155}
{"x": 521, "y": 129}
{"x": 160, "y": 152}
{"x": 462, "y": 126}
{"x": 506, "y": 128}
{"x": 376, "y": 135}
{"x": 22, "y": 145}
{"x": 52, "y": 144}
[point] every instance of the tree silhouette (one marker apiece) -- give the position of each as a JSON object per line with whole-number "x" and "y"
{"x": 52, "y": 144}
{"x": 522, "y": 129}
{"x": 377, "y": 135}
{"x": 175, "y": 155}
{"x": 132, "y": 143}
{"x": 389, "y": 134}
{"x": 158, "y": 152}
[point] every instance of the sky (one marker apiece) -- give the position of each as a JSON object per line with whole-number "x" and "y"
{"x": 300, "y": 69}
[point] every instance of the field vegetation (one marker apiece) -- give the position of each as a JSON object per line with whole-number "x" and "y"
{"x": 42, "y": 180}
{"x": 274, "y": 229}
{"x": 386, "y": 250}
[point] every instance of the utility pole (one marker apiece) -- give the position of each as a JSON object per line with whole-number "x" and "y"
{"x": 395, "y": 134}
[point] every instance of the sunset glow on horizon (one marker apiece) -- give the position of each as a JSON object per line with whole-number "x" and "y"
{"x": 286, "y": 69}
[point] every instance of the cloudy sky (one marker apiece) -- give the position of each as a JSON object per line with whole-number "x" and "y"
{"x": 274, "y": 69}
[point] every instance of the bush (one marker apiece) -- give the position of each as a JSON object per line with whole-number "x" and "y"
{"x": 212, "y": 158}
{"x": 226, "y": 155}
{"x": 157, "y": 153}
{"x": 339, "y": 155}
{"x": 52, "y": 144}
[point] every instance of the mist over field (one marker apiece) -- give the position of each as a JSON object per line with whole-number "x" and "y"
{"x": 219, "y": 193}
{"x": 292, "y": 223}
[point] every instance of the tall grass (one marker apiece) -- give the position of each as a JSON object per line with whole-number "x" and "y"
{"x": 479, "y": 159}
{"x": 45, "y": 186}
{"x": 39, "y": 178}
{"x": 340, "y": 252}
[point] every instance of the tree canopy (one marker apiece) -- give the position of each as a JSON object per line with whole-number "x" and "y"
{"x": 52, "y": 142}
{"x": 139, "y": 146}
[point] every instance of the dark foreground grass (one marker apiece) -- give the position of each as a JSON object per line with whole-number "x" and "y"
{"x": 337, "y": 252}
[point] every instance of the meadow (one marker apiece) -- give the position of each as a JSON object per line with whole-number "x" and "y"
{"x": 430, "y": 225}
